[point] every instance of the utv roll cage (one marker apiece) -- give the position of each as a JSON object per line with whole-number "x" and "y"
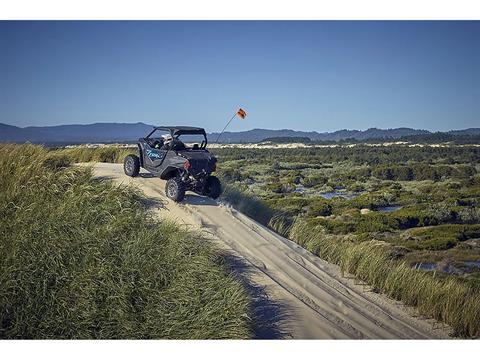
{"x": 176, "y": 131}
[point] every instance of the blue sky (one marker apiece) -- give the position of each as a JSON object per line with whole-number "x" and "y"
{"x": 322, "y": 75}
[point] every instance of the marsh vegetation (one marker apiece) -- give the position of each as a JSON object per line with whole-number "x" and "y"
{"x": 406, "y": 220}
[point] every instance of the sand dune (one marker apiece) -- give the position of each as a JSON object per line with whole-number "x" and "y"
{"x": 298, "y": 295}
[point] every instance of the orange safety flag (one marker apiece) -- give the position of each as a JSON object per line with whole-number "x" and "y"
{"x": 241, "y": 113}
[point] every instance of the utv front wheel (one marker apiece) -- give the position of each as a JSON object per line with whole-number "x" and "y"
{"x": 175, "y": 189}
{"x": 213, "y": 188}
{"x": 131, "y": 165}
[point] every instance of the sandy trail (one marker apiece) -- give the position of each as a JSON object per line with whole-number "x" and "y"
{"x": 313, "y": 300}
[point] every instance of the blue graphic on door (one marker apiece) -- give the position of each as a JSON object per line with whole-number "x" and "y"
{"x": 153, "y": 155}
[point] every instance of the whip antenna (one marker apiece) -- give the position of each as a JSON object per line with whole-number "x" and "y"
{"x": 240, "y": 113}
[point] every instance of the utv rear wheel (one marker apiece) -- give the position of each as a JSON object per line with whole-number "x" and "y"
{"x": 175, "y": 189}
{"x": 213, "y": 188}
{"x": 131, "y": 165}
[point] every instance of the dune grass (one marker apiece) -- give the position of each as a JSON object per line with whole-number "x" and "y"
{"x": 247, "y": 204}
{"x": 82, "y": 259}
{"x": 445, "y": 299}
{"x": 110, "y": 154}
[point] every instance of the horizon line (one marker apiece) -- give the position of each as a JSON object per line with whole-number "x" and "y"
{"x": 257, "y": 128}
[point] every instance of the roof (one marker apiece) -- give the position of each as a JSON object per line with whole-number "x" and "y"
{"x": 180, "y": 130}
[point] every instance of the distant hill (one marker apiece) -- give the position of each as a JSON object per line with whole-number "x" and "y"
{"x": 122, "y": 132}
{"x": 468, "y": 136}
{"x": 64, "y": 134}
{"x": 469, "y": 132}
{"x": 15, "y": 134}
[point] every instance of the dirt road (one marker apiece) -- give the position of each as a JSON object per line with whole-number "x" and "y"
{"x": 296, "y": 294}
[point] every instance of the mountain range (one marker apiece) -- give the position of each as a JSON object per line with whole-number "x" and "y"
{"x": 127, "y": 132}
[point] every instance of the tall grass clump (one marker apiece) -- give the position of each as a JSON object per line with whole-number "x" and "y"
{"x": 109, "y": 154}
{"x": 445, "y": 299}
{"x": 82, "y": 259}
{"x": 248, "y": 204}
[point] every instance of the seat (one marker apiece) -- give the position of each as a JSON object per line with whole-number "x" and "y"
{"x": 177, "y": 145}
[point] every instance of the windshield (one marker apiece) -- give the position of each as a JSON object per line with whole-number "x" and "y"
{"x": 157, "y": 139}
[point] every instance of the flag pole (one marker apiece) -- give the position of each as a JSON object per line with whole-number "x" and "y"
{"x": 228, "y": 123}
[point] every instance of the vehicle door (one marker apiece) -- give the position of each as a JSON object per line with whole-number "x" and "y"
{"x": 153, "y": 157}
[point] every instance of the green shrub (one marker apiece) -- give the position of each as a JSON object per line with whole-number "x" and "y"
{"x": 320, "y": 208}
{"x": 374, "y": 222}
{"x": 422, "y": 172}
{"x": 275, "y": 187}
{"x": 442, "y": 237}
{"x": 356, "y": 187}
{"x": 314, "y": 180}
{"x": 373, "y": 200}
{"x": 231, "y": 175}
{"x": 289, "y": 204}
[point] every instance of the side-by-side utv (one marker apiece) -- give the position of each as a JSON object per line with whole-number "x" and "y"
{"x": 184, "y": 166}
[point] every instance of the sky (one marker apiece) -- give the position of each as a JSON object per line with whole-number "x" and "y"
{"x": 301, "y": 75}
